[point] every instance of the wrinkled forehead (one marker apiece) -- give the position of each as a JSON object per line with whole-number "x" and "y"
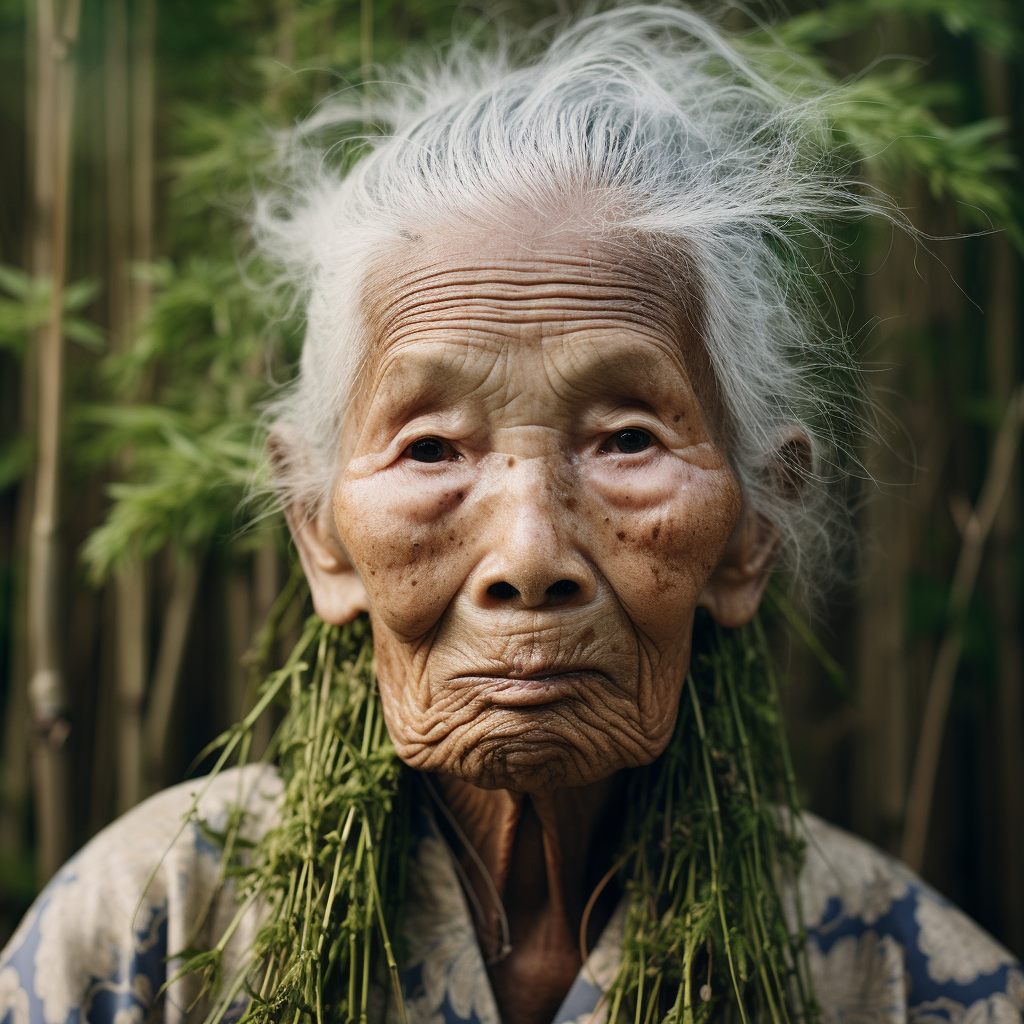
{"x": 466, "y": 281}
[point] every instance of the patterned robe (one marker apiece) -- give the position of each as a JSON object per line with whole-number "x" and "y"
{"x": 95, "y": 946}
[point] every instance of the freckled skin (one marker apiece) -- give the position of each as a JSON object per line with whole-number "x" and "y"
{"x": 526, "y": 383}
{"x": 532, "y": 592}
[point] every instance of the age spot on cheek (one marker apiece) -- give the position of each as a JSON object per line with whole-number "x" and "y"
{"x": 621, "y": 535}
{"x": 660, "y": 584}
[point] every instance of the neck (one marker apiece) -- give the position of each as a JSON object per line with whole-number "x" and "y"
{"x": 543, "y": 855}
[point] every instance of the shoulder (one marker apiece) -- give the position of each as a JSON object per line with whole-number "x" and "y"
{"x": 97, "y": 938}
{"x": 884, "y": 946}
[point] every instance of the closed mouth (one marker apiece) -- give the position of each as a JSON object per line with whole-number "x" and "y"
{"x": 531, "y": 689}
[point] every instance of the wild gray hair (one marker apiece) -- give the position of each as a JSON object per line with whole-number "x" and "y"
{"x": 660, "y": 128}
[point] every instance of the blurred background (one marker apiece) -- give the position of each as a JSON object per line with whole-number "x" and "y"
{"x": 140, "y": 598}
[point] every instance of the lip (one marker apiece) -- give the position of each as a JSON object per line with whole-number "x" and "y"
{"x": 533, "y": 689}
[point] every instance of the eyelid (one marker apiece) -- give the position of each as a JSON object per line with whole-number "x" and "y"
{"x": 452, "y": 453}
{"x": 656, "y": 439}
{"x": 418, "y": 428}
{"x": 630, "y": 415}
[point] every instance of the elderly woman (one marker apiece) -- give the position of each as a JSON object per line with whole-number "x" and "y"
{"x": 560, "y": 413}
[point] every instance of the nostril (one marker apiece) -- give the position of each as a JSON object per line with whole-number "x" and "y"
{"x": 503, "y": 591}
{"x": 563, "y": 588}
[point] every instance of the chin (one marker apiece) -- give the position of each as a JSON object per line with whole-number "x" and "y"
{"x": 530, "y": 751}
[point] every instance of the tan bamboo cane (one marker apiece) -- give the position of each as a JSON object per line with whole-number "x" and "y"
{"x": 130, "y": 612}
{"x": 55, "y": 82}
{"x": 135, "y": 198}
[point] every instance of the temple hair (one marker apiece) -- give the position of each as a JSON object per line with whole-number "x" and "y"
{"x": 647, "y": 126}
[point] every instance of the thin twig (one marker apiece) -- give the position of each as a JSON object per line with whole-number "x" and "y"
{"x": 940, "y": 690}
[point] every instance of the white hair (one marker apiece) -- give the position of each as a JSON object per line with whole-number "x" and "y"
{"x": 652, "y": 126}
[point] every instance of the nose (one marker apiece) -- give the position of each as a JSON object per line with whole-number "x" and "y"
{"x": 555, "y": 594}
{"x": 534, "y": 561}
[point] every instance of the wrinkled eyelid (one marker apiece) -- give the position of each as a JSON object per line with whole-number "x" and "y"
{"x": 653, "y": 440}
{"x": 450, "y": 452}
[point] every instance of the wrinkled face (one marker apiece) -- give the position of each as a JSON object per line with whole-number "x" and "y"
{"x": 530, "y": 494}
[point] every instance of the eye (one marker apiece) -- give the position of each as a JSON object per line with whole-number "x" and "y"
{"x": 431, "y": 449}
{"x": 628, "y": 441}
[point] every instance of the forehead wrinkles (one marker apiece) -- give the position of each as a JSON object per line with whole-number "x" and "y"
{"x": 535, "y": 290}
{"x": 489, "y": 277}
{"x": 480, "y": 280}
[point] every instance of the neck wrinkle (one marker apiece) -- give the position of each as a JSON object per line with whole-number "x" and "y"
{"x": 536, "y": 848}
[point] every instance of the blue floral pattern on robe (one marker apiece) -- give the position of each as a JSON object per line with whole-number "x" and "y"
{"x": 884, "y": 947}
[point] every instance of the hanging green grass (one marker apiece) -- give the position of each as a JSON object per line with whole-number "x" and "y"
{"x": 705, "y": 854}
{"x": 706, "y": 938}
{"x": 330, "y": 873}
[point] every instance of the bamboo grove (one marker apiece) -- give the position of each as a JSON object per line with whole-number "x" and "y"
{"x": 142, "y": 597}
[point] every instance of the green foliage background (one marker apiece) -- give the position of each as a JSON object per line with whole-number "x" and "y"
{"x": 161, "y": 438}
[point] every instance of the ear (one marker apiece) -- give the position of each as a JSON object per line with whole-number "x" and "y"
{"x": 733, "y": 593}
{"x": 335, "y": 585}
{"x": 735, "y": 588}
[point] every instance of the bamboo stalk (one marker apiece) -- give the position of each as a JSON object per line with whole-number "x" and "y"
{"x": 366, "y": 37}
{"x": 174, "y": 637}
{"x": 893, "y": 522}
{"x": 102, "y": 781}
{"x": 143, "y": 74}
{"x": 880, "y": 760}
{"x": 131, "y": 671}
{"x": 16, "y": 775}
{"x": 115, "y": 69}
{"x": 131, "y": 240}
{"x": 940, "y": 689}
{"x": 1002, "y": 320}
{"x": 130, "y": 612}
{"x": 47, "y": 697}
{"x": 1006, "y": 612}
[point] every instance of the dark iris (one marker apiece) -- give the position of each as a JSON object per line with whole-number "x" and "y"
{"x": 428, "y": 449}
{"x": 632, "y": 439}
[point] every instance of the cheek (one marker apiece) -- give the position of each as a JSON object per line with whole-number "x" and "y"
{"x": 662, "y": 539}
{"x": 410, "y": 545}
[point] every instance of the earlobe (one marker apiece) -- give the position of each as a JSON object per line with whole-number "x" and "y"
{"x": 733, "y": 592}
{"x": 334, "y": 584}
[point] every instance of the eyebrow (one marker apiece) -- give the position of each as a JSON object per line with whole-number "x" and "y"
{"x": 630, "y": 364}
{"x": 424, "y": 378}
